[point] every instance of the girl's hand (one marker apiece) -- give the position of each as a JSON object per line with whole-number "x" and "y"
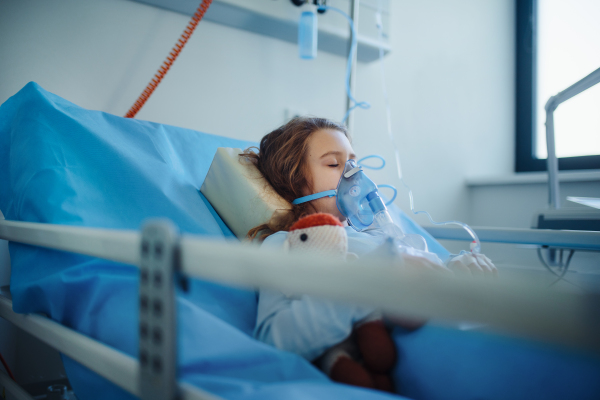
{"x": 474, "y": 264}
{"x": 421, "y": 264}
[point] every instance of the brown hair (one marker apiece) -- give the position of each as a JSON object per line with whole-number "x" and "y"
{"x": 281, "y": 159}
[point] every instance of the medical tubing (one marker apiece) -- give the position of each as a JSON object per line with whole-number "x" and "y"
{"x": 362, "y": 160}
{"x": 561, "y": 267}
{"x": 565, "y": 268}
{"x": 393, "y": 197}
{"x": 477, "y": 248}
{"x": 162, "y": 71}
{"x": 353, "y": 44}
{"x": 377, "y": 156}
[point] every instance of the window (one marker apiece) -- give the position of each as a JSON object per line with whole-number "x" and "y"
{"x": 558, "y": 43}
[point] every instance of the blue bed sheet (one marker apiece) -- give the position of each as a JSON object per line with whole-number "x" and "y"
{"x": 63, "y": 164}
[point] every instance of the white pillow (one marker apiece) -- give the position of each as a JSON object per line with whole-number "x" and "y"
{"x": 239, "y": 193}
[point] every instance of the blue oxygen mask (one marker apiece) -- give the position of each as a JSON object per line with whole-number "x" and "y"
{"x": 358, "y": 199}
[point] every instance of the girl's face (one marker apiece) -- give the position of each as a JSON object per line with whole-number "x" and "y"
{"x": 328, "y": 151}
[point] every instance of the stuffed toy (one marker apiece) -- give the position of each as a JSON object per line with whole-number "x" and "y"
{"x": 369, "y": 354}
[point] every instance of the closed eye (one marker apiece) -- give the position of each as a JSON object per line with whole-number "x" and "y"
{"x": 334, "y": 165}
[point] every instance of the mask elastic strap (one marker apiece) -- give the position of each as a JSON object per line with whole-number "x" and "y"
{"x": 327, "y": 193}
{"x": 393, "y": 197}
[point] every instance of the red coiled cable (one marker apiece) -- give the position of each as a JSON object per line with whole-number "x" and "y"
{"x": 170, "y": 59}
{"x": 6, "y": 367}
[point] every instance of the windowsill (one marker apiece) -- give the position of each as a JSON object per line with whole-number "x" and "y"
{"x": 533, "y": 177}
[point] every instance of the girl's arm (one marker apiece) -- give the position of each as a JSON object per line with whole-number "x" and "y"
{"x": 303, "y": 325}
{"x": 306, "y": 325}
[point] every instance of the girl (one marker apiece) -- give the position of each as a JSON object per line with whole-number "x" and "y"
{"x": 302, "y": 157}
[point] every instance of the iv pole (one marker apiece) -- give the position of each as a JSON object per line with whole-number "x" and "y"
{"x": 354, "y": 7}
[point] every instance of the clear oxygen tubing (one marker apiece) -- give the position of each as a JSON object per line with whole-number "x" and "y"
{"x": 477, "y": 247}
{"x": 357, "y": 104}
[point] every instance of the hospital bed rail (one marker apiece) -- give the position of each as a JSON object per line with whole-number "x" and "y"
{"x": 117, "y": 367}
{"x": 552, "y": 238}
{"x": 512, "y": 307}
{"x": 115, "y": 245}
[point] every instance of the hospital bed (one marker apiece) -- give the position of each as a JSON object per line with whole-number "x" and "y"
{"x": 97, "y": 207}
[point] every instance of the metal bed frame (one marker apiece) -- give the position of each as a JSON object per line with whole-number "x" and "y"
{"x": 551, "y": 106}
{"x": 162, "y": 254}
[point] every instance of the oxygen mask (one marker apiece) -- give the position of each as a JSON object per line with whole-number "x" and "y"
{"x": 358, "y": 199}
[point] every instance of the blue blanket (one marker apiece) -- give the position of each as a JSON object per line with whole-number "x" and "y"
{"x": 63, "y": 164}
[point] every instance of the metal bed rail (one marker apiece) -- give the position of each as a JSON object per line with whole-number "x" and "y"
{"x": 553, "y": 102}
{"x": 564, "y": 239}
{"x": 119, "y": 368}
{"x": 513, "y": 307}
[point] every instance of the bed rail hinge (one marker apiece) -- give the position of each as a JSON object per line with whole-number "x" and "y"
{"x": 157, "y": 311}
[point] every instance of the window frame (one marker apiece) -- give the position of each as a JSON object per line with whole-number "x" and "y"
{"x": 526, "y": 97}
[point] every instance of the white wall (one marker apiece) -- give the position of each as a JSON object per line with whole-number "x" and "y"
{"x": 450, "y": 79}
{"x": 101, "y": 55}
{"x": 513, "y": 205}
